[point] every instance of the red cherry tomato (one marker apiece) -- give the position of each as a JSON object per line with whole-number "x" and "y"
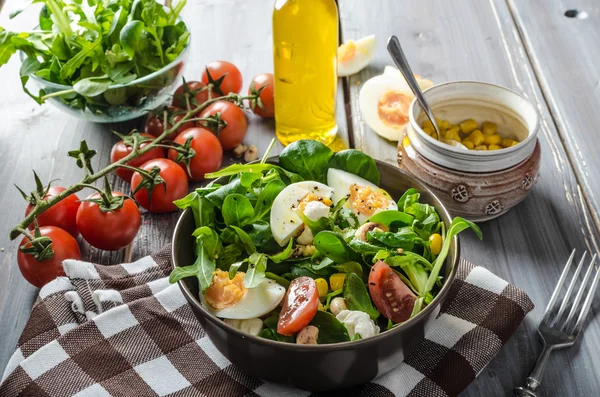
{"x": 155, "y": 127}
{"x": 120, "y": 150}
{"x": 300, "y": 305}
{"x": 232, "y": 81}
{"x": 61, "y": 215}
{"x": 209, "y": 153}
{"x": 198, "y": 97}
{"x": 111, "y": 230}
{"x": 237, "y": 125}
{"x": 266, "y": 95}
{"x": 175, "y": 187}
{"x": 39, "y": 273}
{"x": 391, "y": 296}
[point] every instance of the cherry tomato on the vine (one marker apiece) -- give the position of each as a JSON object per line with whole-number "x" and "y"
{"x": 198, "y": 97}
{"x": 266, "y": 95}
{"x": 61, "y": 215}
{"x": 155, "y": 125}
{"x": 110, "y": 230}
{"x": 232, "y": 78}
{"x": 209, "y": 153}
{"x": 391, "y": 296}
{"x": 163, "y": 195}
{"x": 120, "y": 150}
{"x": 39, "y": 273}
{"x": 237, "y": 124}
{"x": 300, "y": 305}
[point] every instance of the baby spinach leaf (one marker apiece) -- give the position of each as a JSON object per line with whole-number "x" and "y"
{"x": 350, "y": 267}
{"x": 245, "y": 240}
{"x": 357, "y": 163}
{"x": 333, "y": 246}
{"x": 409, "y": 197}
{"x": 218, "y": 196}
{"x": 237, "y": 210}
{"x": 248, "y": 178}
{"x": 314, "y": 226}
{"x": 392, "y": 217}
{"x": 357, "y": 296}
{"x": 228, "y": 255}
{"x": 209, "y": 239}
{"x": 202, "y": 209}
{"x": 307, "y": 158}
{"x": 283, "y": 255}
{"x": 271, "y": 325}
{"x": 131, "y": 37}
{"x": 265, "y": 199}
{"x": 257, "y": 265}
{"x": 414, "y": 270}
{"x": 331, "y": 330}
{"x": 266, "y": 333}
{"x": 203, "y": 269}
{"x": 92, "y": 86}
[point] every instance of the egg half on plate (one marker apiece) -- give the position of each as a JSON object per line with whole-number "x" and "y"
{"x": 354, "y": 56}
{"x": 365, "y": 199}
{"x": 384, "y": 101}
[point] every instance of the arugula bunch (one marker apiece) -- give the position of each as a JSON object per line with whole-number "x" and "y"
{"x": 92, "y": 45}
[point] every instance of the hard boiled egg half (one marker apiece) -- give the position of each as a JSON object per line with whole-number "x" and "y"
{"x": 229, "y": 298}
{"x": 312, "y": 198}
{"x": 354, "y": 56}
{"x": 365, "y": 199}
{"x": 384, "y": 101}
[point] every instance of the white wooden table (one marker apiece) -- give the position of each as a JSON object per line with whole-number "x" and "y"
{"x": 528, "y": 46}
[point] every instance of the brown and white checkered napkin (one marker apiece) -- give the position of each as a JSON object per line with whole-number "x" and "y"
{"x": 125, "y": 331}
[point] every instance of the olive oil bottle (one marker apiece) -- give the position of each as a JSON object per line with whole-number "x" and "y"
{"x": 305, "y": 41}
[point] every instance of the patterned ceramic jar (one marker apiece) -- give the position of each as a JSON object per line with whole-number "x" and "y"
{"x": 477, "y": 185}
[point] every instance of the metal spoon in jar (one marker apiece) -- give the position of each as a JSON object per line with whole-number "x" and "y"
{"x": 399, "y": 58}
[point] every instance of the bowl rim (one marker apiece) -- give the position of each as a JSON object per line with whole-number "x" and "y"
{"x": 533, "y": 131}
{"x": 131, "y": 83}
{"x": 341, "y": 345}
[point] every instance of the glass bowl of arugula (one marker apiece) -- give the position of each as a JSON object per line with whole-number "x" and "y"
{"x": 102, "y": 62}
{"x": 318, "y": 269}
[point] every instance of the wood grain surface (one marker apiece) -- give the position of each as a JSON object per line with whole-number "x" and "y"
{"x": 449, "y": 40}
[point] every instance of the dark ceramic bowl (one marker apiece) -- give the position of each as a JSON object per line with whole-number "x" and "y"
{"x": 318, "y": 367}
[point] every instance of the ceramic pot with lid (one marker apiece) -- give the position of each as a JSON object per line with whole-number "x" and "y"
{"x": 476, "y": 185}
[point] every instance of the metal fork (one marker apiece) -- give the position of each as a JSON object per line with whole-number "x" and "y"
{"x": 556, "y": 330}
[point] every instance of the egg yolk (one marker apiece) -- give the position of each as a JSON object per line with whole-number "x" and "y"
{"x": 393, "y": 108}
{"x": 366, "y": 201}
{"x": 313, "y": 197}
{"x": 346, "y": 51}
{"x": 224, "y": 292}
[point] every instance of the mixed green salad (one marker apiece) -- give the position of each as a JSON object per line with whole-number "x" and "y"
{"x": 95, "y": 44}
{"x": 312, "y": 250}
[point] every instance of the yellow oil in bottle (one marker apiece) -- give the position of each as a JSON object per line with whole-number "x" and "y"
{"x": 305, "y": 41}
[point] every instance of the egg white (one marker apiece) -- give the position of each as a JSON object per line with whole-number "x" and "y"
{"x": 256, "y": 302}
{"x": 365, "y": 50}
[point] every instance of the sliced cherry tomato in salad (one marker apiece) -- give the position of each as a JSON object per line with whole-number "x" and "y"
{"x": 237, "y": 124}
{"x": 120, "y": 150}
{"x": 163, "y": 195}
{"x": 230, "y": 74}
{"x": 110, "y": 230}
{"x": 39, "y": 273}
{"x": 266, "y": 95}
{"x": 391, "y": 296}
{"x": 199, "y": 95}
{"x": 155, "y": 125}
{"x": 209, "y": 152}
{"x": 61, "y": 215}
{"x": 300, "y": 305}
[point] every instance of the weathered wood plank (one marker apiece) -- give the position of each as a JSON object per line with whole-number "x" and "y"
{"x": 34, "y": 137}
{"x": 476, "y": 40}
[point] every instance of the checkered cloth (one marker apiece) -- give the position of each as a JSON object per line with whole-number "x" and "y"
{"x": 125, "y": 331}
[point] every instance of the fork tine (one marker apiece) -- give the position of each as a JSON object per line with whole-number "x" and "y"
{"x": 567, "y": 296}
{"x": 561, "y": 280}
{"x": 588, "y": 303}
{"x": 579, "y": 295}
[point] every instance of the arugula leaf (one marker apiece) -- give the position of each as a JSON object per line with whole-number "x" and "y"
{"x": 350, "y": 267}
{"x": 235, "y": 169}
{"x": 7, "y": 48}
{"x": 257, "y": 265}
{"x": 404, "y": 238}
{"x": 203, "y": 269}
{"x": 266, "y": 198}
{"x": 228, "y": 255}
{"x": 357, "y": 296}
{"x": 209, "y": 239}
{"x": 307, "y": 158}
{"x": 202, "y": 209}
{"x": 92, "y": 86}
{"x": 356, "y": 162}
{"x": 283, "y": 255}
{"x": 237, "y": 210}
{"x": 245, "y": 240}
{"x": 331, "y": 330}
{"x": 280, "y": 280}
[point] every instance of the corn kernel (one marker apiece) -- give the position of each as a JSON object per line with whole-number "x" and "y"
{"x": 452, "y": 134}
{"x": 337, "y": 281}
{"x": 493, "y": 146}
{"x": 322, "y": 287}
{"x": 444, "y": 124}
{"x": 494, "y": 139}
{"x": 476, "y": 137}
{"x": 321, "y": 307}
{"x": 454, "y": 126}
{"x": 470, "y": 145}
{"x": 468, "y": 126}
{"x": 427, "y": 124}
{"x": 489, "y": 128}
{"x": 481, "y": 147}
{"x": 515, "y": 143}
{"x": 507, "y": 142}
{"x": 427, "y": 130}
